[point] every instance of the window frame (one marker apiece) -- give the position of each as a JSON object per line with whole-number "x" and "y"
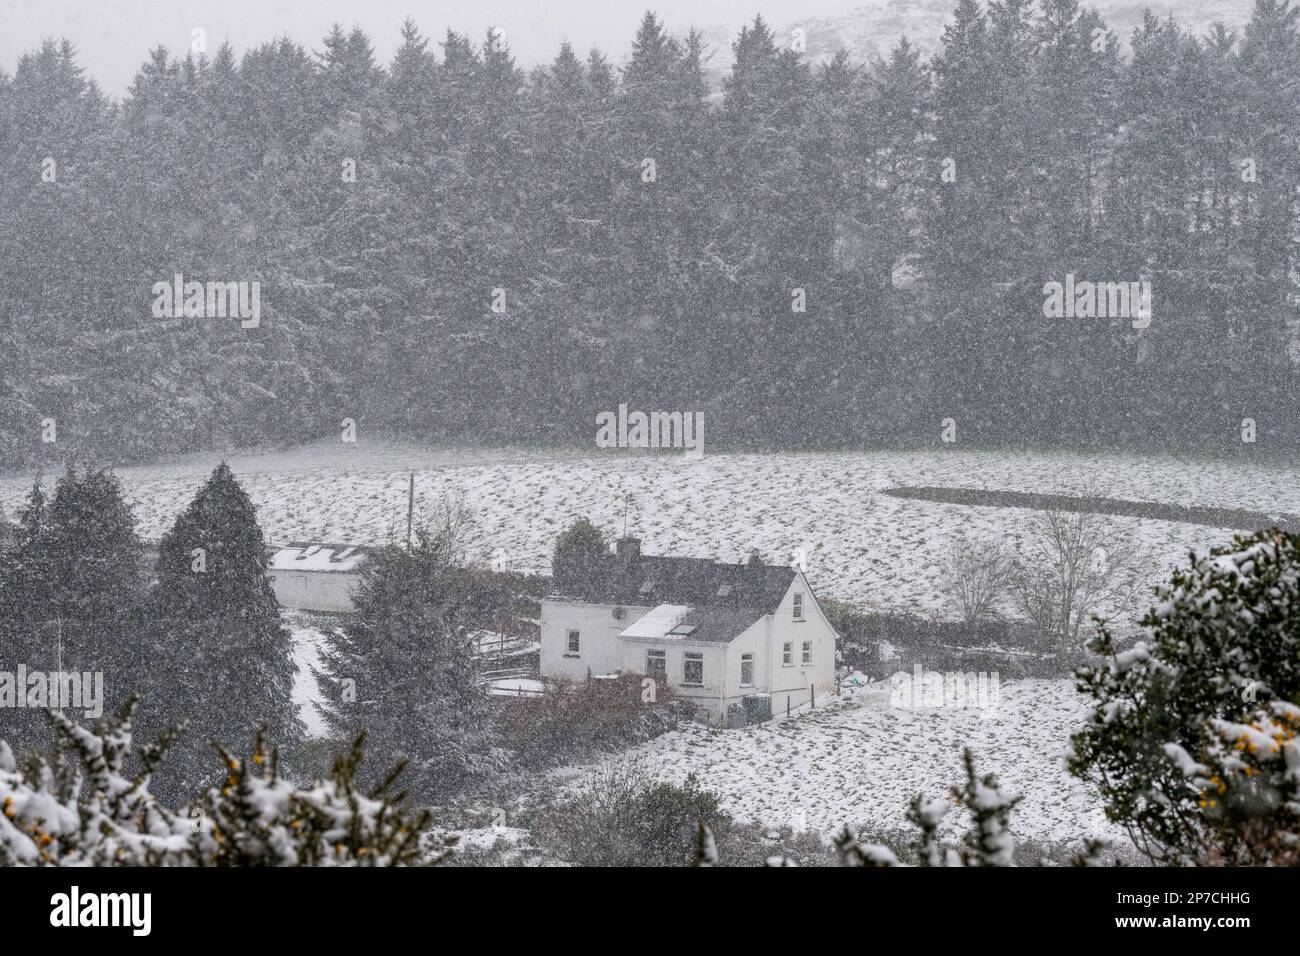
{"x": 806, "y": 653}
{"x": 787, "y": 654}
{"x": 572, "y": 642}
{"x": 796, "y": 606}
{"x": 660, "y": 656}
{"x": 693, "y": 657}
{"x": 746, "y": 659}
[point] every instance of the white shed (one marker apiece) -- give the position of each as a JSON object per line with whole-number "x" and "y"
{"x": 316, "y": 577}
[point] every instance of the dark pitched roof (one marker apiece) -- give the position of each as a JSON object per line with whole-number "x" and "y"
{"x": 649, "y": 580}
{"x": 720, "y": 625}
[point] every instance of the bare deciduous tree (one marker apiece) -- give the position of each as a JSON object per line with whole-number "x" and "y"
{"x": 976, "y": 574}
{"x": 1071, "y": 567}
{"x": 450, "y": 526}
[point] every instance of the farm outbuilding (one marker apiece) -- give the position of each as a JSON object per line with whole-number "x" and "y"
{"x": 316, "y": 577}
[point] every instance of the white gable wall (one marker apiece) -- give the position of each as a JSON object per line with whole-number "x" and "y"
{"x": 796, "y": 683}
{"x": 752, "y": 641}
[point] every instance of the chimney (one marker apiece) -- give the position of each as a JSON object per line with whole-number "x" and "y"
{"x": 628, "y": 549}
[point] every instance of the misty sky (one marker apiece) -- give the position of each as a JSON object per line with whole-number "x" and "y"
{"x": 114, "y": 36}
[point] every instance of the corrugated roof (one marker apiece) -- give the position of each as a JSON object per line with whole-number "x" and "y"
{"x": 319, "y": 557}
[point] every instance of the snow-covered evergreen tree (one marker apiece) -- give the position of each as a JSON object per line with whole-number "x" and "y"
{"x": 219, "y": 654}
{"x": 404, "y": 668}
{"x": 71, "y": 587}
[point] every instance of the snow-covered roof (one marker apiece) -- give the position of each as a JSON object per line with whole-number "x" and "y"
{"x": 658, "y": 622}
{"x": 319, "y": 557}
{"x": 709, "y": 625}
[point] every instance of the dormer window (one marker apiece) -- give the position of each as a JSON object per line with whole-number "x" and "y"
{"x": 798, "y": 607}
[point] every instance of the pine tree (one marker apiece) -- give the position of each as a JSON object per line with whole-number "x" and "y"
{"x": 90, "y": 548}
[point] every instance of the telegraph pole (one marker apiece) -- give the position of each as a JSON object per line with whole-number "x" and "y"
{"x": 410, "y": 510}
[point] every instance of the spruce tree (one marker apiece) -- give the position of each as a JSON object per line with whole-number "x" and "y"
{"x": 24, "y": 603}
{"x": 404, "y": 668}
{"x": 224, "y": 660}
{"x": 71, "y": 588}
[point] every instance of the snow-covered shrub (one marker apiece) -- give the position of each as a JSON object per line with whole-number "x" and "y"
{"x": 257, "y": 818}
{"x": 94, "y": 810}
{"x": 1224, "y": 635}
{"x": 573, "y": 721}
{"x": 621, "y": 815}
{"x": 988, "y": 841}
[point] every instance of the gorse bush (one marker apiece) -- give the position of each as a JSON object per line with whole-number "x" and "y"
{"x": 1191, "y": 742}
{"x": 95, "y": 809}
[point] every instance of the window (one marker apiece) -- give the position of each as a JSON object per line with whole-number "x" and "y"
{"x": 787, "y": 654}
{"x": 798, "y": 607}
{"x": 807, "y": 653}
{"x": 693, "y": 669}
{"x": 572, "y": 644}
{"x": 746, "y": 670}
{"x": 656, "y": 662}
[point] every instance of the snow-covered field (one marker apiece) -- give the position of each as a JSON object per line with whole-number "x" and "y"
{"x": 855, "y": 760}
{"x": 308, "y": 644}
{"x": 860, "y": 761}
{"x": 881, "y": 551}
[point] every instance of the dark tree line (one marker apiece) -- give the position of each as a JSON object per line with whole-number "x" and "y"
{"x": 198, "y": 635}
{"x": 650, "y": 237}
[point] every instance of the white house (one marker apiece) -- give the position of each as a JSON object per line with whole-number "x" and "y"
{"x": 316, "y": 577}
{"x": 731, "y": 638}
